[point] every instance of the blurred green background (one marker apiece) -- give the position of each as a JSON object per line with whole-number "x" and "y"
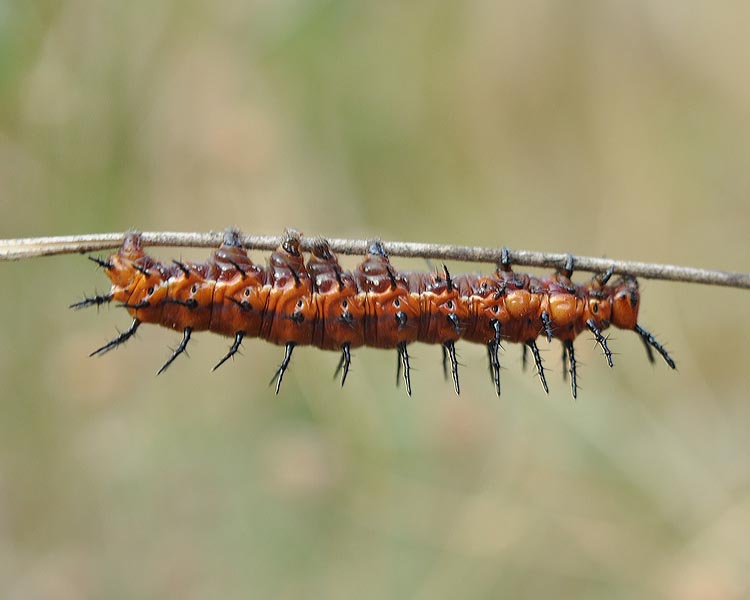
{"x": 598, "y": 128}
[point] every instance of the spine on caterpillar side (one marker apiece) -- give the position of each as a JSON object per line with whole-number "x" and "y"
{"x": 292, "y": 303}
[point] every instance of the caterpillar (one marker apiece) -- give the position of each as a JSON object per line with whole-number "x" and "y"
{"x": 292, "y": 302}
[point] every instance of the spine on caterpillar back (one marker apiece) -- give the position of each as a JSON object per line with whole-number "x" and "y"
{"x": 291, "y": 303}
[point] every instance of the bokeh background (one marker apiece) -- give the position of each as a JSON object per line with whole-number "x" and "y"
{"x": 598, "y": 128}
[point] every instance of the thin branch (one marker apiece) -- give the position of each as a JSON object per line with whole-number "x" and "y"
{"x": 31, "y": 247}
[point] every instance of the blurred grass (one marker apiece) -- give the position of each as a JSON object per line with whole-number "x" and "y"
{"x": 595, "y": 128}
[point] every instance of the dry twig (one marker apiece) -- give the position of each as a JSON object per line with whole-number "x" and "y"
{"x": 30, "y": 247}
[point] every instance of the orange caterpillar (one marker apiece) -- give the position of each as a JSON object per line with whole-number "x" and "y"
{"x": 292, "y": 303}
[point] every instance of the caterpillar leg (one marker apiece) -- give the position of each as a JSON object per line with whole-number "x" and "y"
{"x": 279, "y": 375}
{"x": 398, "y": 368}
{"x": 186, "y": 333}
{"x": 494, "y": 362}
{"x": 603, "y": 278}
{"x": 403, "y": 360}
{"x": 649, "y": 352}
{"x": 490, "y": 364}
{"x": 344, "y": 362}
{"x": 650, "y": 340}
{"x": 450, "y": 346}
{"x": 569, "y": 353}
{"x": 567, "y": 269}
{"x": 238, "y": 337}
{"x": 492, "y": 349}
{"x": 120, "y": 339}
{"x": 547, "y": 322}
{"x": 95, "y": 300}
{"x": 646, "y": 345}
{"x": 538, "y": 361}
{"x": 505, "y": 259}
{"x": 601, "y": 340}
{"x": 445, "y": 363}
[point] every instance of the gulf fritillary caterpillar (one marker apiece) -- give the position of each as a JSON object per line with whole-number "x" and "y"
{"x": 292, "y": 303}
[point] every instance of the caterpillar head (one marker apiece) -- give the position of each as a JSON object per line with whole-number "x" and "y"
{"x": 122, "y": 267}
{"x": 625, "y": 303}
